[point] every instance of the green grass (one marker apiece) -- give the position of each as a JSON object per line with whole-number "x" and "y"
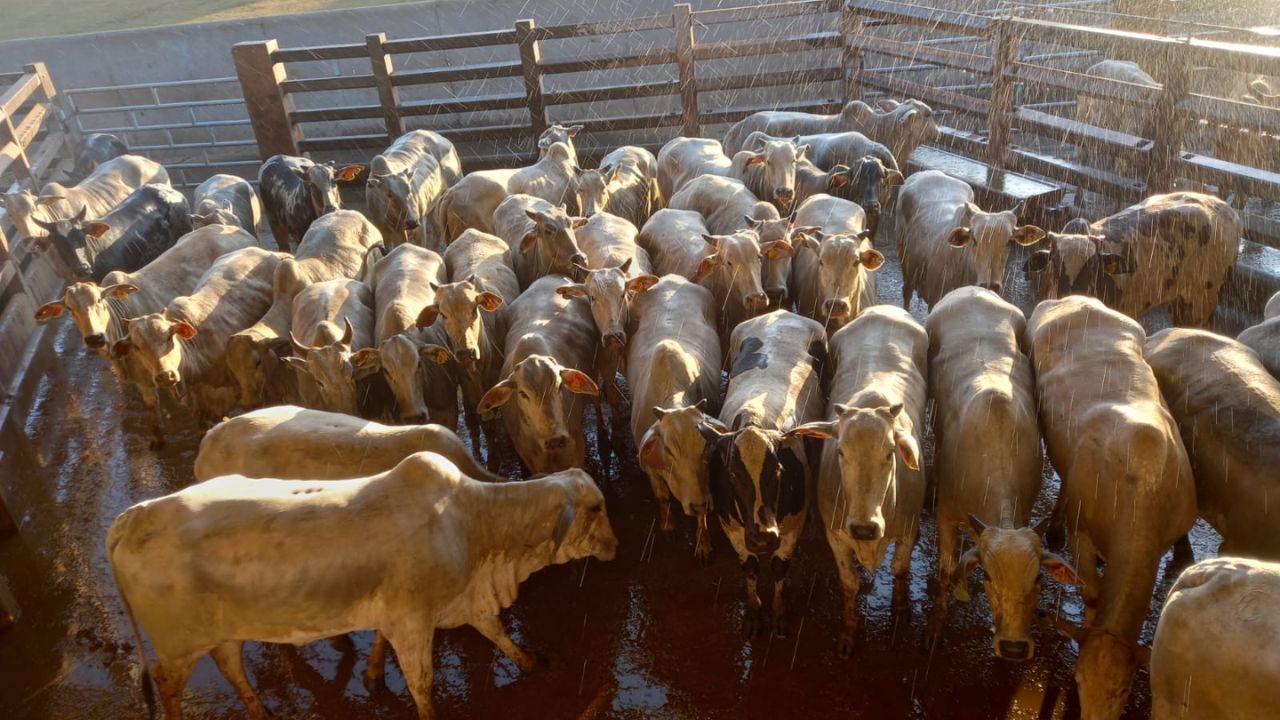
{"x": 33, "y": 18}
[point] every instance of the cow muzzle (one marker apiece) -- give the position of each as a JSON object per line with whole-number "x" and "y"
{"x": 96, "y": 341}
{"x": 757, "y": 301}
{"x": 866, "y": 531}
{"x": 1019, "y": 650}
{"x": 411, "y": 224}
{"x": 166, "y": 378}
{"x": 837, "y": 309}
{"x": 777, "y": 297}
{"x": 764, "y": 542}
{"x": 784, "y": 196}
{"x": 615, "y": 341}
{"x": 558, "y": 442}
{"x": 466, "y": 356}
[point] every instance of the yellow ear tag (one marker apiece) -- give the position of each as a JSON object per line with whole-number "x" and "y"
{"x": 961, "y": 593}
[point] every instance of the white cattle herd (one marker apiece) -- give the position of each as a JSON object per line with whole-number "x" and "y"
{"x": 526, "y": 291}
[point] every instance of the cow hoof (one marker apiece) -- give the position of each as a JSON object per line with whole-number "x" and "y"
{"x": 780, "y": 626}
{"x": 704, "y": 557}
{"x": 845, "y": 645}
{"x": 754, "y": 623}
{"x": 374, "y": 684}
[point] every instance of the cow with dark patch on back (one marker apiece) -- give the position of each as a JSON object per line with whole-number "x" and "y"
{"x": 296, "y": 191}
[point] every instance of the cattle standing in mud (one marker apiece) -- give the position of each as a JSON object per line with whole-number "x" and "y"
{"x": 1127, "y": 489}
{"x": 404, "y": 282}
{"x": 1228, "y": 409}
{"x": 296, "y": 191}
{"x": 405, "y": 181}
{"x": 945, "y": 241}
{"x": 902, "y": 127}
{"x": 761, "y": 486}
{"x": 332, "y": 320}
{"x": 481, "y": 283}
{"x": 191, "y": 572}
{"x": 987, "y": 462}
{"x": 549, "y": 354}
{"x": 541, "y": 238}
{"x": 673, "y": 370}
{"x": 137, "y": 231}
{"x": 1174, "y": 249}
{"x": 834, "y": 259}
{"x": 184, "y": 346}
{"x": 227, "y": 200}
{"x": 870, "y": 484}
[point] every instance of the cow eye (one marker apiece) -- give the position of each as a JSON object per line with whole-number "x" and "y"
{"x": 889, "y": 455}
{"x": 524, "y": 395}
{"x": 597, "y": 508}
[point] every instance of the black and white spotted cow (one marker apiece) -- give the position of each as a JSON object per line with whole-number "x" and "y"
{"x": 761, "y": 484}
{"x": 296, "y": 191}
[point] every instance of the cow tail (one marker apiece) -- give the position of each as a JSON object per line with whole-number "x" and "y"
{"x": 148, "y": 692}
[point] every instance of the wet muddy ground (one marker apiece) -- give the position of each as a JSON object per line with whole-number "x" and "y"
{"x": 649, "y": 635}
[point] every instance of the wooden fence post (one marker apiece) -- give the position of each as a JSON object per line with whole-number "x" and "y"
{"x": 531, "y": 64}
{"x": 851, "y": 29}
{"x": 268, "y": 105}
{"x": 1168, "y": 123}
{"x": 682, "y": 20}
{"x": 388, "y": 95}
{"x": 1000, "y": 113}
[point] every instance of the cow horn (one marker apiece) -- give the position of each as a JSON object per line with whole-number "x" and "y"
{"x": 625, "y": 266}
{"x": 349, "y": 333}
{"x": 581, "y": 268}
{"x": 297, "y": 345}
{"x": 978, "y": 526}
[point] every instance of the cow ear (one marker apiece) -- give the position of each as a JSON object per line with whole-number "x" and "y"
{"x": 183, "y": 329}
{"x": 96, "y": 229}
{"x": 817, "y": 430}
{"x": 778, "y": 249}
{"x": 498, "y": 395}
{"x": 1059, "y": 568}
{"x": 1038, "y": 261}
{"x": 870, "y": 259}
{"x": 579, "y": 222}
{"x": 573, "y": 130}
{"x": 837, "y": 180}
{"x": 908, "y": 449}
{"x": 959, "y": 237}
{"x": 488, "y": 301}
{"x": 121, "y": 348}
{"x": 754, "y": 159}
{"x": 366, "y": 361}
{"x": 427, "y": 317}
{"x": 121, "y": 291}
{"x": 49, "y": 311}
{"x": 438, "y": 354}
{"x": 642, "y": 283}
{"x": 578, "y": 382}
{"x": 572, "y": 291}
{"x": 349, "y": 173}
{"x": 527, "y": 242}
{"x": 707, "y": 264}
{"x": 300, "y": 172}
{"x": 802, "y": 150}
{"x": 1028, "y": 235}
{"x": 1114, "y": 264}
{"x": 893, "y": 178}
{"x": 651, "y": 450}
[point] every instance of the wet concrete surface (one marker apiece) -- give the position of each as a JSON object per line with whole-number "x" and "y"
{"x": 649, "y": 635}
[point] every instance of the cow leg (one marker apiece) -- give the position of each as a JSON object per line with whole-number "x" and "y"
{"x": 1086, "y": 557}
{"x": 171, "y": 678}
{"x": 753, "y": 623}
{"x": 229, "y": 657}
{"x": 375, "y": 672}
{"x": 948, "y": 532}
{"x": 850, "y": 583}
{"x": 901, "y": 566}
{"x": 779, "y": 566}
{"x": 702, "y": 545}
{"x": 157, "y": 416}
{"x": 1183, "y": 556}
{"x": 414, "y": 649}
{"x": 663, "y": 496}
{"x": 280, "y": 232}
{"x": 907, "y": 290}
{"x": 491, "y": 627}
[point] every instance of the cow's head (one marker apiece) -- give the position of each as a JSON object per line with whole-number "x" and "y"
{"x": 1012, "y": 558}
{"x": 71, "y": 235}
{"x": 24, "y": 208}
{"x": 853, "y": 114}
{"x": 863, "y": 183}
{"x": 459, "y": 305}
{"x": 762, "y": 481}
{"x": 1104, "y": 673}
{"x": 157, "y": 341}
{"x": 539, "y": 390}
{"x": 776, "y": 160}
{"x": 874, "y": 445}
{"x": 400, "y": 358}
{"x": 328, "y": 364}
{"x": 610, "y": 291}
{"x": 321, "y": 181}
{"x": 593, "y": 188}
{"x": 738, "y": 257}
{"x": 553, "y": 237}
{"x": 397, "y": 192}
{"x": 843, "y": 264}
{"x": 1077, "y": 264}
{"x": 913, "y": 125}
{"x": 254, "y": 362}
{"x": 674, "y": 451}
{"x": 776, "y": 251}
{"x": 988, "y": 236}
{"x": 582, "y": 526}
{"x": 90, "y": 309}
{"x": 557, "y": 133}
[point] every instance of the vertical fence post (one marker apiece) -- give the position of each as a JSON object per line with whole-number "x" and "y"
{"x": 268, "y": 105}
{"x": 388, "y": 95}
{"x": 1167, "y": 122}
{"x": 1000, "y": 112}
{"x": 851, "y": 30}
{"x": 9, "y": 134}
{"x": 682, "y": 20}
{"x": 531, "y": 65}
